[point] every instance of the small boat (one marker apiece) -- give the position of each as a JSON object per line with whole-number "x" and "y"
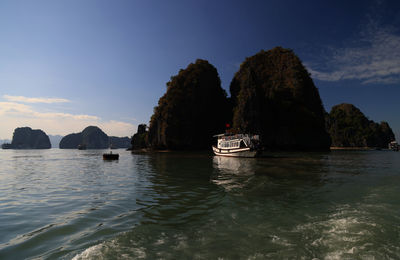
{"x": 110, "y": 156}
{"x": 394, "y": 146}
{"x": 237, "y": 145}
{"x": 82, "y": 147}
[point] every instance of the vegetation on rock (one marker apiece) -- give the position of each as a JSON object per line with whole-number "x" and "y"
{"x": 193, "y": 109}
{"x": 273, "y": 95}
{"x": 349, "y": 127}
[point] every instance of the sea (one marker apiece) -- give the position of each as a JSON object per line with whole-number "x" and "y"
{"x": 70, "y": 204}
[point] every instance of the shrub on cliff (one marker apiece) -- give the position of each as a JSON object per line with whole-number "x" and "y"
{"x": 274, "y": 96}
{"x": 349, "y": 127}
{"x": 193, "y": 109}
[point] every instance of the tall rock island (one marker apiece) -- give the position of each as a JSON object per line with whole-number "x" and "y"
{"x": 274, "y": 96}
{"x": 119, "y": 142}
{"x": 349, "y": 127}
{"x": 27, "y": 138}
{"x": 193, "y": 109}
{"x": 139, "y": 140}
{"x": 93, "y": 137}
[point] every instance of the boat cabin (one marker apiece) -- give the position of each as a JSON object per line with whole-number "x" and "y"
{"x": 235, "y": 141}
{"x": 237, "y": 145}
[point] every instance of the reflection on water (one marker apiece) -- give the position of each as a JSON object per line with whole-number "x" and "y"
{"x": 272, "y": 175}
{"x": 180, "y": 189}
{"x": 233, "y": 173}
{"x": 72, "y": 204}
{"x": 234, "y": 165}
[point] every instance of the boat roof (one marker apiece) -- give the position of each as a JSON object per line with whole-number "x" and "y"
{"x": 226, "y": 134}
{"x": 232, "y": 134}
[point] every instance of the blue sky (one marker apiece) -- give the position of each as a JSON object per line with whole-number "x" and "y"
{"x": 68, "y": 64}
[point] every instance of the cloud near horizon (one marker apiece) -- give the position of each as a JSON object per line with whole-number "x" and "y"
{"x": 19, "y": 115}
{"x": 373, "y": 58}
{"x": 35, "y": 100}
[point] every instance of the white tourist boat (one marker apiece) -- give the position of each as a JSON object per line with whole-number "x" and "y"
{"x": 237, "y": 145}
{"x": 394, "y": 146}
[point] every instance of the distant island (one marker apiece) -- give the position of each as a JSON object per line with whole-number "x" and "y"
{"x": 27, "y": 138}
{"x": 92, "y": 137}
{"x": 272, "y": 94}
{"x": 349, "y": 127}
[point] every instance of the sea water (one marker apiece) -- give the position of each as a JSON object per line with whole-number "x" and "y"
{"x": 70, "y": 204}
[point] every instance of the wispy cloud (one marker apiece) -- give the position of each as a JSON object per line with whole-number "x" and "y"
{"x": 34, "y": 99}
{"x": 18, "y": 115}
{"x": 373, "y": 58}
{"x": 17, "y": 109}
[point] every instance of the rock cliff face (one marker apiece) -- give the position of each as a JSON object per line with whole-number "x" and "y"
{"x": 274, "y": 96}
{"x": 349, "y": 127}
{"x": 192, "y": 110}
{"x": 71, "y": 141}
{"x": 139, "y": 140}
{"x": 92, "y": 136}
{"x": 26, "y": 138}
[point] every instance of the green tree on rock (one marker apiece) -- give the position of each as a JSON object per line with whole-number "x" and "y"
{"x": 273, "y": 95}
{"x": 193, "y": 109}
{"x": 349, "y": 127}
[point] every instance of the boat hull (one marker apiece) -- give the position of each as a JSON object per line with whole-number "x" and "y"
{"x": 241, "y": 152}
{"x": 112, "y": 156}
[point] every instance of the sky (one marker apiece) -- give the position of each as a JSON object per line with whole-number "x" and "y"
{"x": 65, "y": 65}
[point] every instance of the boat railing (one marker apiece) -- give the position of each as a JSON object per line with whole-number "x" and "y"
{"x": 239, "y": 136}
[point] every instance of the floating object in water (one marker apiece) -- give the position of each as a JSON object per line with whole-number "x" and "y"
{"x": 110, "y": 156}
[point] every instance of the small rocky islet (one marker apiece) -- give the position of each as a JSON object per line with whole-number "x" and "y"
{"x": 28, "y": 138}
{"x": 349, "y": 127}
{"x": 92, "y": 137}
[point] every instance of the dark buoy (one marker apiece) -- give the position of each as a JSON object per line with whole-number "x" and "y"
{"x": 110, "y": 156}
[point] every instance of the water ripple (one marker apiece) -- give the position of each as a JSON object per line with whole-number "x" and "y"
{"x": 63, "y": 204}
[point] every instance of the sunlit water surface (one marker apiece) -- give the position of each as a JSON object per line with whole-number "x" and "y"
{"x": 71, "y": 204}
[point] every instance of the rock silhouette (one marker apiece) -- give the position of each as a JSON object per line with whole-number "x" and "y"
{"x": 27, "y": 138}
{"x": 349, "y": 127}
{"x": 92, "y": 137}
{"x": 193, "y": 109}
{"x": 273, "y": 95}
